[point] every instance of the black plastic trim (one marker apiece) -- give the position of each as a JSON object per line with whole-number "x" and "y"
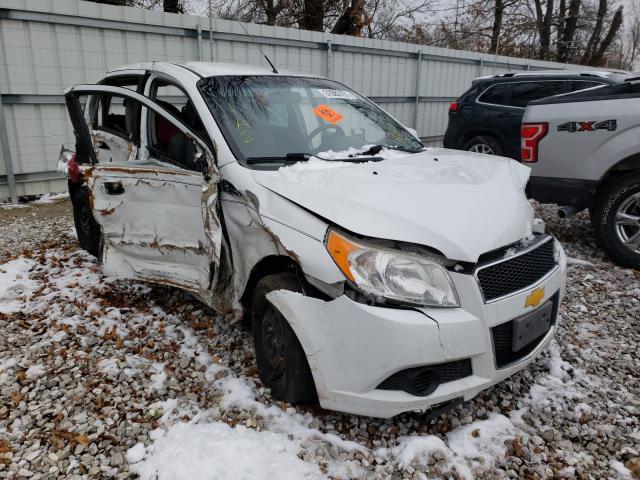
{"x": 572, "y": 192}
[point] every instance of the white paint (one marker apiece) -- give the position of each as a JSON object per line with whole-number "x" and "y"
{"x": 462, "y": 204}
{"x": 165, "y": 228}
{"x": 332, "y": 93}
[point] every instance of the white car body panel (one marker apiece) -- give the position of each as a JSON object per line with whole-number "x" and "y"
{"x": 344, "y": 341}
{"x": 461, "y": 204}
{"x": 161, "y": 225}
{"x": 157, "y": 215}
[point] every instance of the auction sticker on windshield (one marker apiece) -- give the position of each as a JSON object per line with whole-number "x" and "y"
{"x": 328, "y": 114}
{"x": 331, "y": 93}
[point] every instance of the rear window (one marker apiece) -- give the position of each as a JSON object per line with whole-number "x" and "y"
{"x": 582, "y": 84}
{"x": 526, "y": 92}
{"x": 496, "y": 94}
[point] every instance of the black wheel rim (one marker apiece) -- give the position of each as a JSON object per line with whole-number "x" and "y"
{"x": 273, "y": 336}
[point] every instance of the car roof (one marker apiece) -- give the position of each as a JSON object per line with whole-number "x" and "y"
{"x": 202, "y": 69}
{"x": 610, "y": 75}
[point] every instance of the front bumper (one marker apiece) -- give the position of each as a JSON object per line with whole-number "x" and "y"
{"x": 352, "y": 347}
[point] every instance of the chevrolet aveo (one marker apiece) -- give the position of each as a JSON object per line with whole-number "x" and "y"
{"x": 378, "y": 276}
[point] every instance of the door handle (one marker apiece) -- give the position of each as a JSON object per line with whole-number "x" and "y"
{"x": 113, "y": 188}
{"x": 103, "y": 146}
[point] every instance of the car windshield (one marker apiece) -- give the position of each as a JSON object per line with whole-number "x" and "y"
{"x": 278, "y": 117}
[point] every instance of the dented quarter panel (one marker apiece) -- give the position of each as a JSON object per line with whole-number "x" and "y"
{"x": 261, "y": 224}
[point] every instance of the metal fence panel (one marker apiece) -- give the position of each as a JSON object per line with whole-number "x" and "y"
{"x": 47, "y": 45}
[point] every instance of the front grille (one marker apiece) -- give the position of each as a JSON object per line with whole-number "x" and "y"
{"x": 517, "y": 272}
{"x": 502, "y": 336}
{"x": 422, "y": 381}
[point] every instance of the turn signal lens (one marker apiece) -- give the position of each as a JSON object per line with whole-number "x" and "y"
{"x": 339, "y": 249}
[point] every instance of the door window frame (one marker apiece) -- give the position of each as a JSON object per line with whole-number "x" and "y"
{"x": 512, "y": 85}
{"x": 96, "y": 89}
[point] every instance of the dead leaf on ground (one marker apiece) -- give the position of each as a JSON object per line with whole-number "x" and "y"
{"x": 4, "y": 447}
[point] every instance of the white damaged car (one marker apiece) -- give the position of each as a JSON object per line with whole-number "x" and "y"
{"x": 378, "y": 276}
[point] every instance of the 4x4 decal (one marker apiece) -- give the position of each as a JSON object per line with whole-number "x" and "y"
{"x": 609, "y": 125}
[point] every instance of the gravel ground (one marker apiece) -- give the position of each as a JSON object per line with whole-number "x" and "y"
{"x": 100, "y": 378}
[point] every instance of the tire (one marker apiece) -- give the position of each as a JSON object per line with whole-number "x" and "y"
{"x": 623, "y": 196}
{"x": 282, "y": 364}
{"x": 87, "y": 229}
{"x": 484, "y": 144}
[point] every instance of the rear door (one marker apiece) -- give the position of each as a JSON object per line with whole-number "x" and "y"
{"x": 493, "y": 113}
{"x": 158, "y": 213}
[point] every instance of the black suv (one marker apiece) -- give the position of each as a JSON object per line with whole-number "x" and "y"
{"x": 487, "y": 117}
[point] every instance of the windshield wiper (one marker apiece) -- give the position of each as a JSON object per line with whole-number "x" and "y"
{"x": 376, "y": 149}
{"x": 304, "y": 157}
{"x": 289, "y": 157}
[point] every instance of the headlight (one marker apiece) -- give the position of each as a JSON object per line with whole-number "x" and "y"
{"x": 558, "y": 253}
{"x": 392, "y": 274}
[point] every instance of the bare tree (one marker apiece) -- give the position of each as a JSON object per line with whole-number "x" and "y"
{"x": 543, "y": 22}
{"x": 312, "y": 17}
{"x": 497, "y": 25}
{"x": 568, "y": 22}
{"x": 631, "y": 41}
{"x": 595, "y": 57}
{"x": 172, "y": 6}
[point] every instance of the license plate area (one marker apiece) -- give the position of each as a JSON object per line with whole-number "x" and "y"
{"x": 531, "y": 326}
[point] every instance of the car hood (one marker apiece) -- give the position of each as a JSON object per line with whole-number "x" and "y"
{"x": 460, "y": 203}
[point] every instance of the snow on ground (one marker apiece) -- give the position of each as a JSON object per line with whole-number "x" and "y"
{"x": 102, "y": 377}
{"x": 15, "y": 284}
{"x": 52, "y": 198}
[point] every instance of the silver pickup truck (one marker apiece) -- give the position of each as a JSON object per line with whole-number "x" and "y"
{"x": 584, "y": 149}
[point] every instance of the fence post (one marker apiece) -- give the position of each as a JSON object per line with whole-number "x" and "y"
{"x": 480, "y": 67}
{"x": 6, "y": 156}
{"x": 210, "y": 32}
{"x": 417, "y": 98}
{"x": 199, "y": 30}
{"x": 329, "y": 60}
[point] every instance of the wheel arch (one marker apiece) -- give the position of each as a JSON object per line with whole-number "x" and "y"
{"x": 620, "y": 169}
{"x": 268, "y": 265}
{"x": 481, "y": 131}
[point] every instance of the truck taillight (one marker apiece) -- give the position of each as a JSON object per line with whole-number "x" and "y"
{"x": 531, "y": 134}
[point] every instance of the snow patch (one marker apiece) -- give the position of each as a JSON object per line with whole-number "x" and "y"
{"x": 52, "y": 198}
{"x": 35, "y": 371}
{"x": 136, "y": 453}
{"x": 621, "y": 469}
{"x": 15, "y": 283}
{"x": 579, "y": 262}
{"x": 158, "y": 378}
{"x": 6, "y": 364}
{"x": 477, "y": 444}
{"x": 109, "y": 366}
{"x": 215, "y": 450}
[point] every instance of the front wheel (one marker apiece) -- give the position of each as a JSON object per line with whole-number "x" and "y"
{"x": 282, "y": 363}
{"x": 616, "y": 221}
{"x": 484, "y": 144}
{"x": 87, "y": 229}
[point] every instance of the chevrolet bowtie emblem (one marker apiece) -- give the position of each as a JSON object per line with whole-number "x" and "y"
{"x": 534, "y": 298}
